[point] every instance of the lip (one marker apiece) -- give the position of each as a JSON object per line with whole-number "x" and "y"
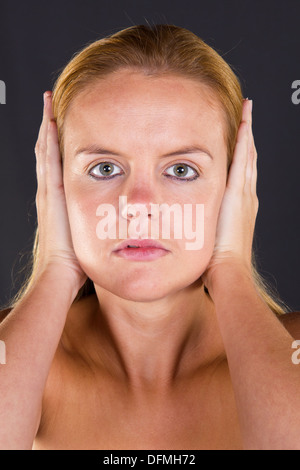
{"x": 143, "y": 243}
{"x": 147, "y": 250}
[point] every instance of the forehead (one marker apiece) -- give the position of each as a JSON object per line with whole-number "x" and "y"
{"x": 130, "y": 108}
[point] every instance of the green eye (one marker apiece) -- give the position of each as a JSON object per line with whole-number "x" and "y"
{"x": 104, "y": 170}
{"x": 182, "y": 171}
{"x": 179, "y": 171}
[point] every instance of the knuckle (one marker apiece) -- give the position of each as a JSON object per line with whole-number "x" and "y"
{"x": 40, "y": 148}
{"x": 39, "y": 170}
{"x": 41, "y": 193}
{"x": 37, "y": 204}
{"x": 38, "y": 195}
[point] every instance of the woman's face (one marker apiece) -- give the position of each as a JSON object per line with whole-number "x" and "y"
{"x": 140, "y": 121}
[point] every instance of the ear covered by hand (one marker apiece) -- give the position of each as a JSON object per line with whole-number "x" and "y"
{"x": 239, "y": 207}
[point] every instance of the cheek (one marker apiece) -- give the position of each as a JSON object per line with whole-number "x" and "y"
{"x": 211, "y": 213}
{"x": 196, "y": 247}
{"x": 83, "y": 223}
{"x": 207, "y": 224}
{"x": 206, "y": 233}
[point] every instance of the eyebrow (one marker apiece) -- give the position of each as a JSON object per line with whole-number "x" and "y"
{"x": 95, "y": 149}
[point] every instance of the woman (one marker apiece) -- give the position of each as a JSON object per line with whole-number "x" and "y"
{"x": 113, "y": 345}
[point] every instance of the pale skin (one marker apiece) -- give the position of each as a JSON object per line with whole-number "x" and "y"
{"x": 144, "y": 363}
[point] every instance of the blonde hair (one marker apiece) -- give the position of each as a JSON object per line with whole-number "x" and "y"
{"x": 154, "y": 51}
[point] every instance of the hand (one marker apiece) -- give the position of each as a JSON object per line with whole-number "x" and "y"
{"x": 55, "y": 242}
{"x": 237, "y": 216}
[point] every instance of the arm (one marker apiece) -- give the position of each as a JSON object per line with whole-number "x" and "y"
{"x": 31, "y": 333}
{"x": 259, "y": 350}
{"x": 265, "y": 381}
{"x": 32, "y": 330}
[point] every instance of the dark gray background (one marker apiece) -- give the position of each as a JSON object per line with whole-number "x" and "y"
{"x": 260, "y": 39}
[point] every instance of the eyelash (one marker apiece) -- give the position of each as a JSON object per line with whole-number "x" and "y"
{"x": 176, "y": 178}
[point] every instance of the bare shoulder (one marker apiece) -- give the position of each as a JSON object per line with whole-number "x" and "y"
{"x": 291, "y": 321}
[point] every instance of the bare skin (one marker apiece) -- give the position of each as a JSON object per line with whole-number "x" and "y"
{"x": 150, "y": 341}
{"x": 199, "y": 413}
{"x": 144, "y": 363}
{"x": 89, "y": 404}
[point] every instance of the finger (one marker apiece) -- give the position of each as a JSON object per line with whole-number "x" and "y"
{"x": 41, "y": 145}
{"x": 49, "y": 109}
{"x": 236, "y": 177}
{"x": 249, "y": 120}
{"x": 45, "y": 119}
{"x": 251, "y": 174}
{"x": 254, "y": 170}
{"x": 54, "y": 176}
{"x": 249, "y": 169}
{"x": 40, "y": 148}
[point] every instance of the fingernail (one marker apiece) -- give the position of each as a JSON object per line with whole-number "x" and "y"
{"x": 46, "y": 95}
{"x": 251, "y": 105}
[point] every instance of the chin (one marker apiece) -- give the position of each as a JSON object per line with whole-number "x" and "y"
{"x": 132, "y": 286}
{"x": 142, "y": 285}
{"x": 143, "y": 281}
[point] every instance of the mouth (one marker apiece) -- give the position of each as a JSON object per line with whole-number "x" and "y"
{"x": 141, "y": 250}
{"x": 143, "y": 243}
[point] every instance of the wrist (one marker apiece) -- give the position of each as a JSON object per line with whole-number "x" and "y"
{"x": 227, "y": 277}
{"x": 61, "y": 278}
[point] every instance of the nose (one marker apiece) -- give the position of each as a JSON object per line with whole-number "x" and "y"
{"x": 138, "y": 209}
{"x": 138, "y": 201}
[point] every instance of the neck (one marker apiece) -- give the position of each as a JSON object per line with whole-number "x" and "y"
{"x": 152, "y": 344}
